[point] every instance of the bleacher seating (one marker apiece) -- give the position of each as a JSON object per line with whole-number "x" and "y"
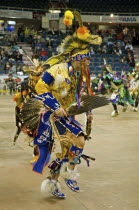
{"x": 111, "y": 59}
{"x": 36, "y": 4}
{"x": 106, "y": 6}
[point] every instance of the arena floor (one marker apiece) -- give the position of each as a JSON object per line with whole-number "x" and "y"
{"x": 111, "y": 182}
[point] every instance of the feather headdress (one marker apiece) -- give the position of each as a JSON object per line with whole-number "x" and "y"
{"x": 81, "y": 39}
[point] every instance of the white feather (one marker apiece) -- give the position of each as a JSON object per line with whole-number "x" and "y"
{"x": 49, "y": 186}
{"x": 64, "y": 93}
{"x": 67, "y": 173}
{"x": 58, "y": 80}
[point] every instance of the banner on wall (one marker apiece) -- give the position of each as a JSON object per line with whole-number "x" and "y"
{"x": 119, "y": 19}
{"x": 53, "y": 16}
{"x": 15, "y": 14}
{"x": 17, "y": 78}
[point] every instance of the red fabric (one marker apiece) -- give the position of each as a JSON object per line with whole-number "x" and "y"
{"x": 43, "y": 53}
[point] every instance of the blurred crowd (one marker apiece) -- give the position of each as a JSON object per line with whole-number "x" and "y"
{"x": 46, "y": 43}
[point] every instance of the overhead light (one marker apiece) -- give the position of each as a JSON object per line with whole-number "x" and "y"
{"x": 110, "y": 22}
{"x": 55, "y": 11}
{"x": 11, "y": 22}
{"x": 111, "y": 15}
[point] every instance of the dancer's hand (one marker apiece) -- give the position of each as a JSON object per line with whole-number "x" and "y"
{"x": 61, "y": 112}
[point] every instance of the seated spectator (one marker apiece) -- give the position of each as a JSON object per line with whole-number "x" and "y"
{"x": 129, "y": 45}
{"x": 3, "y": 57}
{"x": 50, "y": 50}
{"x": 118, "y": 51}
{"x": 123, "y": 60}
{"x": 131, "y": 61}
{"x": 35, "y": 38}
{"x": 14, "y": 46}
{"x": 7, "y": 51}
{"x": 128, "y": 51}
{"x": 11, "y": 57}
{"x": 53, "y": 53}
{"x": 99, "y": 50}
{"x": 7, "y": 67}
{"x": 104, "y": 49}
{"x": 92, "y": 51}
{"x": 19, "y": 70}
{"x": 110, "y": 41}
{"x": 111, "y": 49}
{"x": 43, "y": 53}
{"x": 49, "y": 43}
{"x": 120, "y": 43}
{"x": 38, "y": 46}
{"x": 18, "y": 57}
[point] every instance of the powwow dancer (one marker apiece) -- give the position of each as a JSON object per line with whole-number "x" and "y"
{"x": 119, "y": 85}
{"x": 61, "y": 86}
{"x": 134, "y": 85}
{"x": 57, "y": 90}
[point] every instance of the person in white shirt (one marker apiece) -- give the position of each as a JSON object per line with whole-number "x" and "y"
{"x": 128, "y": 45}
{"x": 21, "y": 51}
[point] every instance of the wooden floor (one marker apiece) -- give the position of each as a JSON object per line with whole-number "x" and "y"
{"x": 111, "y": 182}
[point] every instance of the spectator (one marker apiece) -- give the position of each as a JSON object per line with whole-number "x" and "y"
{"x": 50, "y": 50}
{"x": 38, "y": 46}
{"x": 12, "y": 69}
{"x": 104, "y": 49}
{"x": 18, "y": 57}
{"x": 21, "y": 52}
{"x": 19, "y": 70}
{"x": 11, "y": 57}
{"x": 49, "y": 43}
{"x": 118, "y": 51}
{"x": 14, "y": 46}
{"x": 7, "y": 51}
{"x": 7, "y": 67}
{"x": 21, "y": 35}
{"x": 129, "y": 52}
{"x": 92, "y": 51}
{"x": 99, "y": 50}
{"x": 123, "y": 59}
{"x": 53, "y": 54}
{"x": 131, "y": 61}
{"x": 43, "y": 53}
{"x": 10, "y": 84}
{"x": 129, "y": 45}
{"x": 3, "y": 57}
{"x": 119, "y": 29}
